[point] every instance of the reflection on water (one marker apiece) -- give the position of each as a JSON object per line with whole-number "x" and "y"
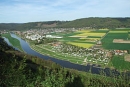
{"x": 7, "y": 41}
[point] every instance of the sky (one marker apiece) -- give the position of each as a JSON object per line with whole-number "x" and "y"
{"x": 23, "y": 11}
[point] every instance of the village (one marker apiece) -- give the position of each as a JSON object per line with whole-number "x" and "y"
{"x": 95, "y": 54}
{"x": 35, "y": 34}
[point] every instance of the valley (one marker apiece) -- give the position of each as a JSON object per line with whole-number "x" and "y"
{"x": 82, "y": 46}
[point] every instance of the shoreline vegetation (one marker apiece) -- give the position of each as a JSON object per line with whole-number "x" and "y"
{"x": 15, "y": 42}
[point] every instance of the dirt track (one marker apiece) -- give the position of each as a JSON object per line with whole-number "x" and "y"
{"x": 121, "y": 41}
{"x": 127, "y": 57}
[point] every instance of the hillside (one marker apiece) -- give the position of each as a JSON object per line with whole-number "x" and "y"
{"x": 92, "y": 22}
{"x": 30, "y": 25}
{"x": 9, "y": 26}
{"x": 22, "y": 70}
{"x": 98, "y": 23}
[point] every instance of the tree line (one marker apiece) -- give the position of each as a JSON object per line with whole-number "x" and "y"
{"x": 92, "y": 22}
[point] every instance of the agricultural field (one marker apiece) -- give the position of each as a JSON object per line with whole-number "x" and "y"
{"x": 82, "y": 38}
{"x": 81, "y": 44}
{"x": 110, "y": 40}
{"x": 119, "y": 63}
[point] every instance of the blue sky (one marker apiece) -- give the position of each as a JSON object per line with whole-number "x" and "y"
{"x": 21, "y": 11}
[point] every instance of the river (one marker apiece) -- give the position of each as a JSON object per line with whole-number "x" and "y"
{"x": 92, "y": 68}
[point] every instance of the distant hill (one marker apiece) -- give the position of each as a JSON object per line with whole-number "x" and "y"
{"x": 92, "y": 22}
{"x": 9, "y": 26}
{"x": 30, "y": 25}
{"x": 98, "y": 23}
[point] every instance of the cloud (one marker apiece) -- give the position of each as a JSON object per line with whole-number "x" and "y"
{"x": 45, "y": 10}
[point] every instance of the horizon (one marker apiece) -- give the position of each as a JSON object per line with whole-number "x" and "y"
{"x": 58, "y": 20}
{"x": 24, "y": 11}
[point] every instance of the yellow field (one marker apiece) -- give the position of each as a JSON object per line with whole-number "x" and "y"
{"x": 78, "y": 36}
{"x": 104, "y": 29}
{"x": 91, "y": 34}
{"x": 90, "y": 38}
{"x": 80, "y": 41}
{"x": 83, "y": 38}
{"x": 85, "y": 45}
{"x": 85, "y": 33}
{"x": 86, "y": 36}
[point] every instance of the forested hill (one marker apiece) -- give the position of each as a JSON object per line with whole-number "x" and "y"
{"x": 98, "y": 23}
{"x": 92, "y": 22}
{"x": 30, "y": 25}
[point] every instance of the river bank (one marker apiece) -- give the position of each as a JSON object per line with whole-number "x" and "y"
{"x": 13, "y": 41}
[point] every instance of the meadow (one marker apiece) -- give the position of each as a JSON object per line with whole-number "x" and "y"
{"x": 119, "y": 63}
{"x": 15, "y": 42}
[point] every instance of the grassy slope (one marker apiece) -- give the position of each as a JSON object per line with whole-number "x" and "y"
{"x": 13, "y": 41}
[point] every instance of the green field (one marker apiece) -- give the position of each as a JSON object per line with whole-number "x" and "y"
{"x": 13, "y": 41}
{"x": 119, "y": 63}
{"x": 107, "y": 41}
